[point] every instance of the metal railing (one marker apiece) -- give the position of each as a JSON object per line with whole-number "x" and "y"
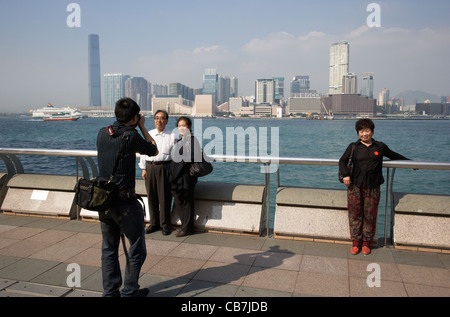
{"x": 85, "y": 161}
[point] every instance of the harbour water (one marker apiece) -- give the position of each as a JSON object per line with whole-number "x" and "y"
{"x": 419, "y": 140}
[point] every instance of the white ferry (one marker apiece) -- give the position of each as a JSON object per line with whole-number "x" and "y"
{"x": 50, "y": 113}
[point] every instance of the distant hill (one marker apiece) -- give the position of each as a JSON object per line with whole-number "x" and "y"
{"x": 413, "y": 96}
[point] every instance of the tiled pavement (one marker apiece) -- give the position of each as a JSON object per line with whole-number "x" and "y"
{"x": 36, "y": 253}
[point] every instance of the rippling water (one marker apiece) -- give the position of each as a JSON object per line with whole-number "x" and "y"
{"x": 421, "y": 140}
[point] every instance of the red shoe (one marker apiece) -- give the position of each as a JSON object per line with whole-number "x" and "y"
{"x": 355, "y": 247}
{"x": 354, "y": 250}
{"x": 366, "y": 248}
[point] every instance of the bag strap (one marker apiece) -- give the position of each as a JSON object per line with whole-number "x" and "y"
{"x": 122, "y": 145}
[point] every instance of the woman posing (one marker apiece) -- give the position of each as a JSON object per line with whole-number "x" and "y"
{"x": 185, "y": 151}
{"x": 363, "y": 193}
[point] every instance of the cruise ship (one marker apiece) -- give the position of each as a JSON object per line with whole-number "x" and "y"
{"x": 50, "y": 111}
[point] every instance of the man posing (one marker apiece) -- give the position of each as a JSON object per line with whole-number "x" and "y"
{"x": 126, "y": 215}
{"x": 155, "y": 173}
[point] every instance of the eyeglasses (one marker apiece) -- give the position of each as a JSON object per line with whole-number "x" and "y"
{"x": 160, "y": 118}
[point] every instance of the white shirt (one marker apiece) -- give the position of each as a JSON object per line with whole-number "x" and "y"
{"x": 165, "y": 142}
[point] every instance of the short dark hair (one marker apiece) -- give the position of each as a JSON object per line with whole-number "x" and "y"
{"x": 187, "y": 120}
{"x": 362, "y": 124}
{"x": 162, "y": 111}
{"x": 126, "y": 109}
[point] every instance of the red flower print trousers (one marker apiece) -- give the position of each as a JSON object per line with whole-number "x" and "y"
{"x": 362, "y": 212}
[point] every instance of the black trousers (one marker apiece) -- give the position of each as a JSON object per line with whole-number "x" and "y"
{"x": 159, "y": 194}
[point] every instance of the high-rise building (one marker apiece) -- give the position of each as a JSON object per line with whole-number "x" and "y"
{"x": 279, "y": 89}
{"x": 339, "y": 66}
{"x": 210, "y": 79}
{"x": 367, "y": 85}
{"x": 136, "y": 88}
{"x": 234, "y": 87}
{"x": 383, "y": 97}
{"x": 223, "y": 89}
{"x": 349, "y": 83}
{"x": 265, "y": 91}
{"x": 94, "y": 71}
{"x": 300, "y": 85}
{"x": 114, "y": 88}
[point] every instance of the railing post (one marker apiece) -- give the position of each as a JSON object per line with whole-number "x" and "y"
{"x": 267, "y": 185}
{"x": 386, "y": 209}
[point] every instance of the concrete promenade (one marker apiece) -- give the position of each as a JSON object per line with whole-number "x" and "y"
{"x": 36, "y": 253}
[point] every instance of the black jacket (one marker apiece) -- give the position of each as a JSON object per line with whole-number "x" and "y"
{"x": 368, "y": 163}
{"x": 108, "y": 147}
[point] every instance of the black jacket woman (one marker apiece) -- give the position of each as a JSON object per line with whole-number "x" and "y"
{"x": 184, "y": 152}
{"x": 363, "y": 192}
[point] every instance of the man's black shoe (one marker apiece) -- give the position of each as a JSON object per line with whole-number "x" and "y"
{"x": 143, "y": 292}
{"x": 151, "y": 229}
{"x": 166, "y": 230}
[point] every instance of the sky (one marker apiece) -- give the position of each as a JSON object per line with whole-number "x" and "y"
{"x": 44, "y": 60}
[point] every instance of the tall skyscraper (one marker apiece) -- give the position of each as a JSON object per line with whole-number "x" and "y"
{"x": 114, "y": 86}
{"x": 279, "y": 89}
{"x": 339, "y": 66}
{"x": 210, "y": 81}
{"x": 367, "y": 85}
{"x": 265, "y": 91}
{"x": 94, "y": 71}
{"x": 223, "y": 89}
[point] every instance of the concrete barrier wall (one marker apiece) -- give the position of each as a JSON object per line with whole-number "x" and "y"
{"x": 422, "y": 220}
{"x": 222, "y": 207}
{"x": 36, "y": 194}
{"x": 311, "y": 213}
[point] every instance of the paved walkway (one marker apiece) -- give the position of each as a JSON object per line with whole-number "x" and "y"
{"x": 36, "y": 257}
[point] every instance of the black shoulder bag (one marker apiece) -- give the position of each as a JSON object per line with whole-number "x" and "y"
{"x": 350, "y": 164}
{"x": 96, "y": 194}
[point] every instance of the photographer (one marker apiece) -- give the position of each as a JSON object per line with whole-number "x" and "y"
{"x": 127, "y": 214}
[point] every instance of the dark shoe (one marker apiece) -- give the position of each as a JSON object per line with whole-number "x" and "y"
{"x": 166, "y": 230}
{"x": 143, "y": 292}
{"x": 182, "y": 233}
{"x": 151, "y": 229}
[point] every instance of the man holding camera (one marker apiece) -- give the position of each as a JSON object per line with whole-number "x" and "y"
{"x": 126, "y": 215}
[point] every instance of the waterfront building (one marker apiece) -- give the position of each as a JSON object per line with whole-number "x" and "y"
{"x": 265, "y": 91}
{"x": 94, "y": 71}
{"x": 210, "y": 82}
{"x": 339, "y": 66}
{"x": 172, "y": 104}
{"x": 114, "y": 88}
{"x": 350, "y": 105}
{"x": 236, "y": 104}
{"x": 305, "y": 103}
{"x": 136, "y": 88}
{"x": 349, "y": 84}
{"x": 204, "y": 106}
{"x": 430, "y": 108}
{"x": 367, "y": 85}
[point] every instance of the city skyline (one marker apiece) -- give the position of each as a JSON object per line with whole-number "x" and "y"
{"x": 44, "y": 60}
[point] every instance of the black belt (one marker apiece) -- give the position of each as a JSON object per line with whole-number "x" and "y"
{"x": 159, "y": 162}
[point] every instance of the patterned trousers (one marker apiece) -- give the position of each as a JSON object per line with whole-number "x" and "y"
{"x": 362, "y": 212}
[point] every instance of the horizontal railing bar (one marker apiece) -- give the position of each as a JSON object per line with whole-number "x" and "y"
{"x": 241, "y": 159}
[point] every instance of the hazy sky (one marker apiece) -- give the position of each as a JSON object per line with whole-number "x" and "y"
{"x": 43, "y": 60}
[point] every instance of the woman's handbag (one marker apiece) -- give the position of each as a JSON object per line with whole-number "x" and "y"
{"x": 200, "y": 169}
{"x": 97, "y": 193}
{"x": 350, "y": 164}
